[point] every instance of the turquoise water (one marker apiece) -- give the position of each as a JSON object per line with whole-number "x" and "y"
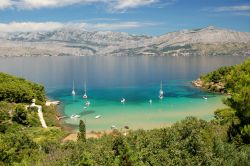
{"x": 181, "y": 100}
{"x": 137, "y": 79}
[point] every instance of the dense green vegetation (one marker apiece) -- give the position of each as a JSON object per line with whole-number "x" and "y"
{"x": 235, "y": 81}
{"x": 188, "y": 142}
{"x": 222, "y": 141}
{"x": 233, "y": 78}
{"x": 172, "y": 48}
{"x": 21, "y": 137}
{"x": 19, "y": 90}
{"x": 82, "y": 132}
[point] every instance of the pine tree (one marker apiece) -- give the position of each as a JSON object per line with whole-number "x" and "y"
{"x": 82, "y": 131}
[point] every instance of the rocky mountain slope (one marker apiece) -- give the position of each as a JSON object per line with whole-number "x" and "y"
{"x": 206, "y": 41}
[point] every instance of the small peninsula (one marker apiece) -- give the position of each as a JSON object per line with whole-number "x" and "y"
{"x": 229, "y": 79}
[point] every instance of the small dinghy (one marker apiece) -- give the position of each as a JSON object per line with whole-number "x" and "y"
{"x": 98, "y": 116}
{"x": 74, "y": 116}
{"x": 150, "y": 101}
{"x": 113, "y": 127}
{"x": 87, "y": 103}
{"x": 123, "y": 100}
{"x": 126, "y": 127}
{"x": 204, "y": 97}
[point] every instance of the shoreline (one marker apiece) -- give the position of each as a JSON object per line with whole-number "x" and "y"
{"x": 93, "y": 132}
{"x": 217, "y": 88}
{"x": 125, "y": 55}
{"x": 97, "y": 134}
{"x": 72, "y": 129}
{"x": 59, "y": 122}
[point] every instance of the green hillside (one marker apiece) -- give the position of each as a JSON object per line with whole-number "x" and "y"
{"x": 19, "y": 90}
{"x": 235, "y": 80}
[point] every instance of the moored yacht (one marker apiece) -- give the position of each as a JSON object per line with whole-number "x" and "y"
{"x": 161, "y": 93}
{"x": 150, "y": 101}
{"x": 85, "y": 92}
{"x": 73, "y": 89}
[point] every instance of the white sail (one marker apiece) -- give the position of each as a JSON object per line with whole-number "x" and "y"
{"x": 73, "y": 89}
{"x": 85, "y": 92}
{"x": 161, "y": 93}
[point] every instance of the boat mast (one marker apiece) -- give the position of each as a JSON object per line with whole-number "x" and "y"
{"x": 73, "y": 90}
{"x": 85, "y": 89}
{"x": 85, "y": 92}
{"x": 161, "y": 92}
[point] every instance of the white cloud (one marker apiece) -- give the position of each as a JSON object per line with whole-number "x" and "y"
{"x": 241, "y": 13}
{"x": 36, "y": 4}
{"x": 33, "y": 4}
{"x": 232, "y": 8}
{"x": 117, "y": 25}
{"x": 50, "y": 26}
{"x": 117, "y": 5}
{"x": 29, "y": 26}
{"x": 126, "y": 4}
{"x": 239, "y": 10}
{"x": 5, "y": 4}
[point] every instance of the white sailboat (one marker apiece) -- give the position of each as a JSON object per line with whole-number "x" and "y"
{"x": 150, "y": 101}
{"x": 161, "y": 93}
{"x": 123, "y": 100}
{"x": 85, "y": 92}
{"x": 73, "y": 89}
{"x": 98, "y": 116}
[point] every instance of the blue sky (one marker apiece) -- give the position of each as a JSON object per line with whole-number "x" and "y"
{"x": 152, "y": 17}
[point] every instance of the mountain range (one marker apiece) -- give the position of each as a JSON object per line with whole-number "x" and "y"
{"x": 77, "y": 42}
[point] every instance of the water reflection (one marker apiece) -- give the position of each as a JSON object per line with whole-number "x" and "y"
{"x": 109, "y": 72}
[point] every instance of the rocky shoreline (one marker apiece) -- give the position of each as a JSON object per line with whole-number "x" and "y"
{"x": 210, "y": 86}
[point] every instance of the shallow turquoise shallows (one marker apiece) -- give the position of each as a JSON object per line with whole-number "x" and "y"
{"x": 180, "y": 100}
{"x": 137, "y": 79}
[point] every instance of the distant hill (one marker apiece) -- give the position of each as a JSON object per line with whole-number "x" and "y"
{"x": 78, "y": 42}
